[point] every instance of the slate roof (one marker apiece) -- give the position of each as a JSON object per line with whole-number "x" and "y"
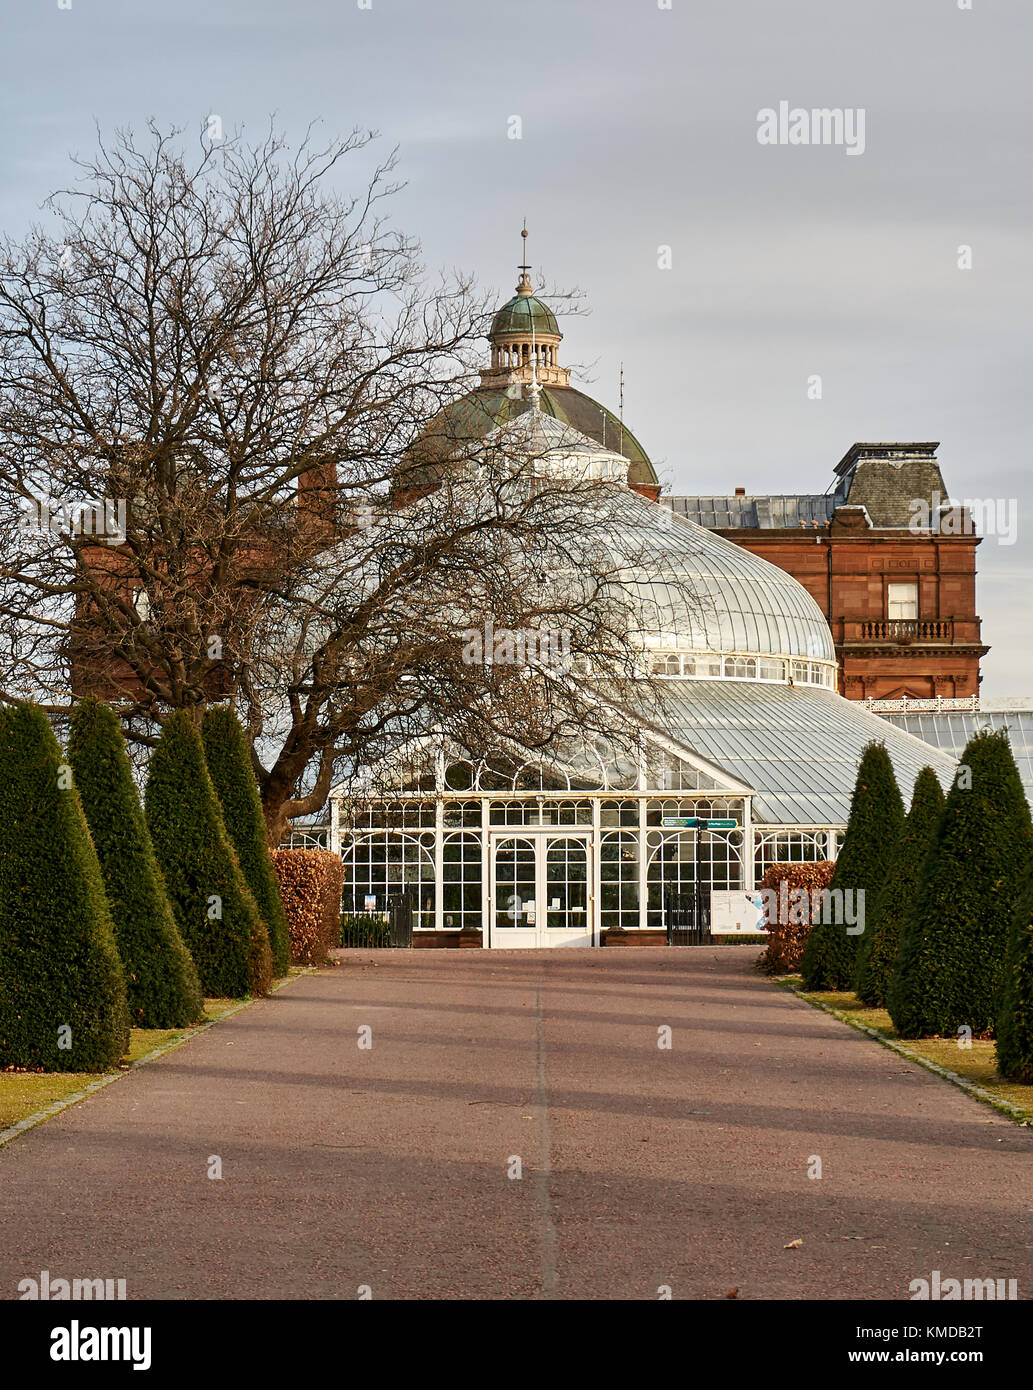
{"x": 775, "y": 512}
{"x": 885, "y": 479}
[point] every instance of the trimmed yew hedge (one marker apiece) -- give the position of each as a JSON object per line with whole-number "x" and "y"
{"x": 62, "y": 988}
{"x": 880, "y": 943}
{"x": 229, "y": 765}
{"x": 310, "y": 886}
{"x": 876, "y": 821}
{"x": 1015, "y": 1017}
{"x": 216, "y": 914}
{"x": 950, "y": 966}
{"x": 162, "y": 987}
{"x": 789, "y": 929}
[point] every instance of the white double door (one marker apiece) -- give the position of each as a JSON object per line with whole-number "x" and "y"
{"x": 541, "y": 890}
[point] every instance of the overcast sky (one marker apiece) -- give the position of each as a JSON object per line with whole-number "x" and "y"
{"x": 639, "y": 130}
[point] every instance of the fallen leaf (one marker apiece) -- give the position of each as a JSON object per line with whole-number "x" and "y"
{"x": 793, "y": 1245}
{"x": 733, "y": 1293}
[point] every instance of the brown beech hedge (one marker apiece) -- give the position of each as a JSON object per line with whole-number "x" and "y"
{"x": 310, "y": 887}
{"x": 788, "y": 929}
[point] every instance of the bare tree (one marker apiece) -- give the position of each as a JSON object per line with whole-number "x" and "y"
{"x": 213, "y": 384}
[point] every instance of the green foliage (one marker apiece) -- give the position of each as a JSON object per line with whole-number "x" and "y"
{"x": 213, "y": 906}
{"x": 881, "y": 940}
{"x": 162, "y": 987}
{"x": 949, "y": 968}
{"x": 229, "y": 766}
{"x": 62, "y": 990}
{"x": 1015, "y": 1016}
{"x": 876, "y": 820}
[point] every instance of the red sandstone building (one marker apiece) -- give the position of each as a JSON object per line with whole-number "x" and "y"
{"x": 879, "y": 554}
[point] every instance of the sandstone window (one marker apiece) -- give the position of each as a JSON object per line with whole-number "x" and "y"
{"x": 901, "y": 600}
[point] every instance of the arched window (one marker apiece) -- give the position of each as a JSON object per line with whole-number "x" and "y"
{"x": 381, "y": 865}
{"x": 789, "y": 846}
{"x": 464, "y": 813}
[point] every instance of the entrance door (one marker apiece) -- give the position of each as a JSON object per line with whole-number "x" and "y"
{"x": 540, "y": 891}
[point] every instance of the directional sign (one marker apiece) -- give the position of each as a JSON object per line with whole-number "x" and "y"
{"x": 721, "y": 824}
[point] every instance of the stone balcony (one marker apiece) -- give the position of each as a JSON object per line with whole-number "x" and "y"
{"x": 899, "y": 631}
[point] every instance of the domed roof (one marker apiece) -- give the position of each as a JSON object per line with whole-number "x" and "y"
{"x": 691, "y": 590}
{"x": 476, "y": 414}
{"x": 697, "y": 591}
{"x": 522, "y": 359}
{"x": 521, "y": 313}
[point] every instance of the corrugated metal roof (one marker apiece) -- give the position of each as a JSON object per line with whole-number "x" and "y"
{"x": 950, "y": 730}
{"x": 798, "y": 747}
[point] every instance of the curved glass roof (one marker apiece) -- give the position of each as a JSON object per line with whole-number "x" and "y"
{"x": 696, "y": 590}
{"x": 950, "y": 731}
{"x": 798, "y": 748}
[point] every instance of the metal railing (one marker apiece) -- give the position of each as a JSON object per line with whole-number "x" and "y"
{"x": 920, "y": 705}
{"x": 380, "y": 928}
{"x": 686, "y": 916}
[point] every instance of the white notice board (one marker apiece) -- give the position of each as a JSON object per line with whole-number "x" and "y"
{"x": 736, "y": 913}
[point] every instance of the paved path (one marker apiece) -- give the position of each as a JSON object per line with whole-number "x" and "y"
{"x": 641, "y": 1167}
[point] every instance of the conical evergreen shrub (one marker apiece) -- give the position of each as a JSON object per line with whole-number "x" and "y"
{"x": 1015, "y": 1015}
{"x": 162, "y": 987}
{"x": 213, "y": 906}
{"x": 881, "y": 940}
{"x": 62, "y": 990}
{"x": 229, "y": 766}
{"x": 829, "y": 958}
{"x": 949, "y": 968}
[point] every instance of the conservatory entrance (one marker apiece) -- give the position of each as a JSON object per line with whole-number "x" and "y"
{"x": 541, "y": 890}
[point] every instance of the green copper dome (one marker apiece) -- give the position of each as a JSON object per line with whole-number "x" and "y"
{"x": 474, "y": 415}
{"x": 516, "y": 371}
{"x": 523, "y": 311}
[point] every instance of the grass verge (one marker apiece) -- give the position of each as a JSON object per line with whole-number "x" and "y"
{"x": 973, "y": 1068}
{"x": 29, "y": 1097}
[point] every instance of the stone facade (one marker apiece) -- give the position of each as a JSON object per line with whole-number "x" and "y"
{"x": 900, "y": 599}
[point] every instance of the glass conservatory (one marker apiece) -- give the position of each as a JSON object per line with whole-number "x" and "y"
{"x": 747, "y": 757}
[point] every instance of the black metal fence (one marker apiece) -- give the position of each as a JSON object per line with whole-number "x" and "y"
{"x": 686, "y": 916}
{"x": 389, "y": 926}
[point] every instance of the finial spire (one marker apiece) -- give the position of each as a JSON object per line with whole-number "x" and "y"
{"x": 524, "y": 286}
{"x": 534, "y": 391}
